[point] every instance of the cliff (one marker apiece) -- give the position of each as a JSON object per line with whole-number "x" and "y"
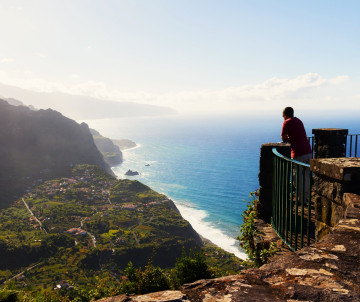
{"x": 42, "y": 145}
{"x": 111, "y": 152}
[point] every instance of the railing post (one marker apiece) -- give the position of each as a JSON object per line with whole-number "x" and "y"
{"x": 264, "y": 208}
{"x": 330, "y": 142}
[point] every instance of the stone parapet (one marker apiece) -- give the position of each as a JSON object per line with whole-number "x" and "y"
{"x": 343, "y": 169}
{"x": 264, "y": 207}
{"x": 334, "y": 180}
{"x": 329, "y": 142}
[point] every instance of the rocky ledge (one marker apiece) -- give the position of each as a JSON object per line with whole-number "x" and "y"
{"x": 327, "y": 271}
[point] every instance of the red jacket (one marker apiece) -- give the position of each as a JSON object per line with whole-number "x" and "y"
{"x": 294, "y": 129}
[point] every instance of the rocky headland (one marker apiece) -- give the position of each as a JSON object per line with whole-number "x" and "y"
{"x": 111, "y": 148}
{"x": 111, "y": 152}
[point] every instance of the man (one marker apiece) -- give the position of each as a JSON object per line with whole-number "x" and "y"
{"x": 293, "y": 132}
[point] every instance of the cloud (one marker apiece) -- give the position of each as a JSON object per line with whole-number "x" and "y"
{"x": 305, "y": 90}
{"x": 7, "y": 60}
{"x": 267, "y": 94}
{"x": 272, "y": 88}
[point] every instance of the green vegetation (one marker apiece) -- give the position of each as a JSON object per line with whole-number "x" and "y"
{"x": 152, "y": 278}
{"x": 71, "y": 239}
{"x": 258, "y": 254}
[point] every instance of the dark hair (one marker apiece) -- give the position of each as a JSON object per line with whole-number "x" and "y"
{"x": 288, "y": 111}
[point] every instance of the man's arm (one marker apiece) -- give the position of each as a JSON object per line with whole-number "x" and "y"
{"x": 283, "y": 134}
{"x": 285, "y": 138}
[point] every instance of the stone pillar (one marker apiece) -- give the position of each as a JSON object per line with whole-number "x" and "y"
{"x": 264, "y": 208}
{"x": 329, "y": 142}
{"x": 333, "y": 178}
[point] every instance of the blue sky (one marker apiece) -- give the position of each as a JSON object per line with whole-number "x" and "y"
{"x": 195, "y": 56}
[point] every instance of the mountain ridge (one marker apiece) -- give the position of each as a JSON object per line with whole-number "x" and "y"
{"x": 38, "y": 145}
{"x": 81, "y": 107}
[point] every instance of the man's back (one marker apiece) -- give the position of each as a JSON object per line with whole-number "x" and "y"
{"x": 294, "y": 129}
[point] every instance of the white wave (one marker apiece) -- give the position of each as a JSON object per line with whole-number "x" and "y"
{"x": 207, "y": 230}
{"x": 132, "y": 148}
{"x": 173, "y": 186}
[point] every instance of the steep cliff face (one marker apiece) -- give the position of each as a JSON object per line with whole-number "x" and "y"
{"x": 40, "y": 145}
{"x": 111, "y": 152}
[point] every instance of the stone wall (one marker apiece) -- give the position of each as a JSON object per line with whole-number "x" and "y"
{"x": 329, "y": 142}
{"x": 264, "y": 208}
{"x": 333, "y": 179}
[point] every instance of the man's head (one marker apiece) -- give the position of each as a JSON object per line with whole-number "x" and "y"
{"x": 288, "y": 112}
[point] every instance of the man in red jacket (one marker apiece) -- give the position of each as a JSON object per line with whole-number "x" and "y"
{"x": 293, "y": 132}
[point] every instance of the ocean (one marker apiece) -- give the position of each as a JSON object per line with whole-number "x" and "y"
{"x": 206, "y": 165}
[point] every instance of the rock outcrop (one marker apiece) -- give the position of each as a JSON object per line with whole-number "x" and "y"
{"x": 131, "y": 173}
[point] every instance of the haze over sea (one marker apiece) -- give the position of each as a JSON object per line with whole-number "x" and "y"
{"x": 206, "y": 165}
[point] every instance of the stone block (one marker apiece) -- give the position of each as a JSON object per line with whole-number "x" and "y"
{"x": 323, "y": 209}
{"x": 327, "y": 211}
{"x": 329, "y": 188}
{"x": 337, "y": 213}
{"x": 352, "y": 203}
{"x": 265, "y": 177}
{"x": 344, "y": 169}
{"x": 329, "y": 132}
{"x": 331, "y": 140}
{"x": 321, "y": 229}
{"x": 330, "y": 151}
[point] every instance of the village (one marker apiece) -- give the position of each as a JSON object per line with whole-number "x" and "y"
{"x": 97, "y": 198}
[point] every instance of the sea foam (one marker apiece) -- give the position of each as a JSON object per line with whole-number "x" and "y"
{"x": 196, "y": 218}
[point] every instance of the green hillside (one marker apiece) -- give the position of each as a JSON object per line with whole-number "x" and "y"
{"x": 89, "y": 226}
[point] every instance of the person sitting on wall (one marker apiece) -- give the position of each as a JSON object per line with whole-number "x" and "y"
{"x": 293, "y": 132}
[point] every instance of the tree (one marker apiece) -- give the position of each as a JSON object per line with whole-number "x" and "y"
{"x": 189, "y": 268}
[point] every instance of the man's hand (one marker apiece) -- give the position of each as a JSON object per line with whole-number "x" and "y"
{"x": 285, "y": 138}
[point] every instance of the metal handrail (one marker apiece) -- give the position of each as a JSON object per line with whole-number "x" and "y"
{"x": 291, "y": 200}
{"x": 351, "y": 146}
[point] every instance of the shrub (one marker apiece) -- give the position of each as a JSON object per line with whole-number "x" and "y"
{"x": 152, "y": 279}
{"x": 189, "y": 268}
{"x": 257, "y": 254}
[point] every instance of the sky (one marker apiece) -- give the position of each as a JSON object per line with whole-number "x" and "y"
{"x": 196, "y": 56}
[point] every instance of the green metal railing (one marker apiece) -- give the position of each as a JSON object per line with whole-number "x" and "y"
{"x": 292, "y": 213}
{"x": 352, "y": 145}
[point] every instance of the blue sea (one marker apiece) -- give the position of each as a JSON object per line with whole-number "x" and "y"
{"x": 206, "y": 165}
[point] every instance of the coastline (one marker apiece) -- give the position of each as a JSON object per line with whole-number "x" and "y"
{"x": 196, "y": 217}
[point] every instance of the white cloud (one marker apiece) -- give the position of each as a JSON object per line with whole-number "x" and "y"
{"x": 7, "y": 60}
{"x": 74, "y": 76}
{"x": 302, "y": 91}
